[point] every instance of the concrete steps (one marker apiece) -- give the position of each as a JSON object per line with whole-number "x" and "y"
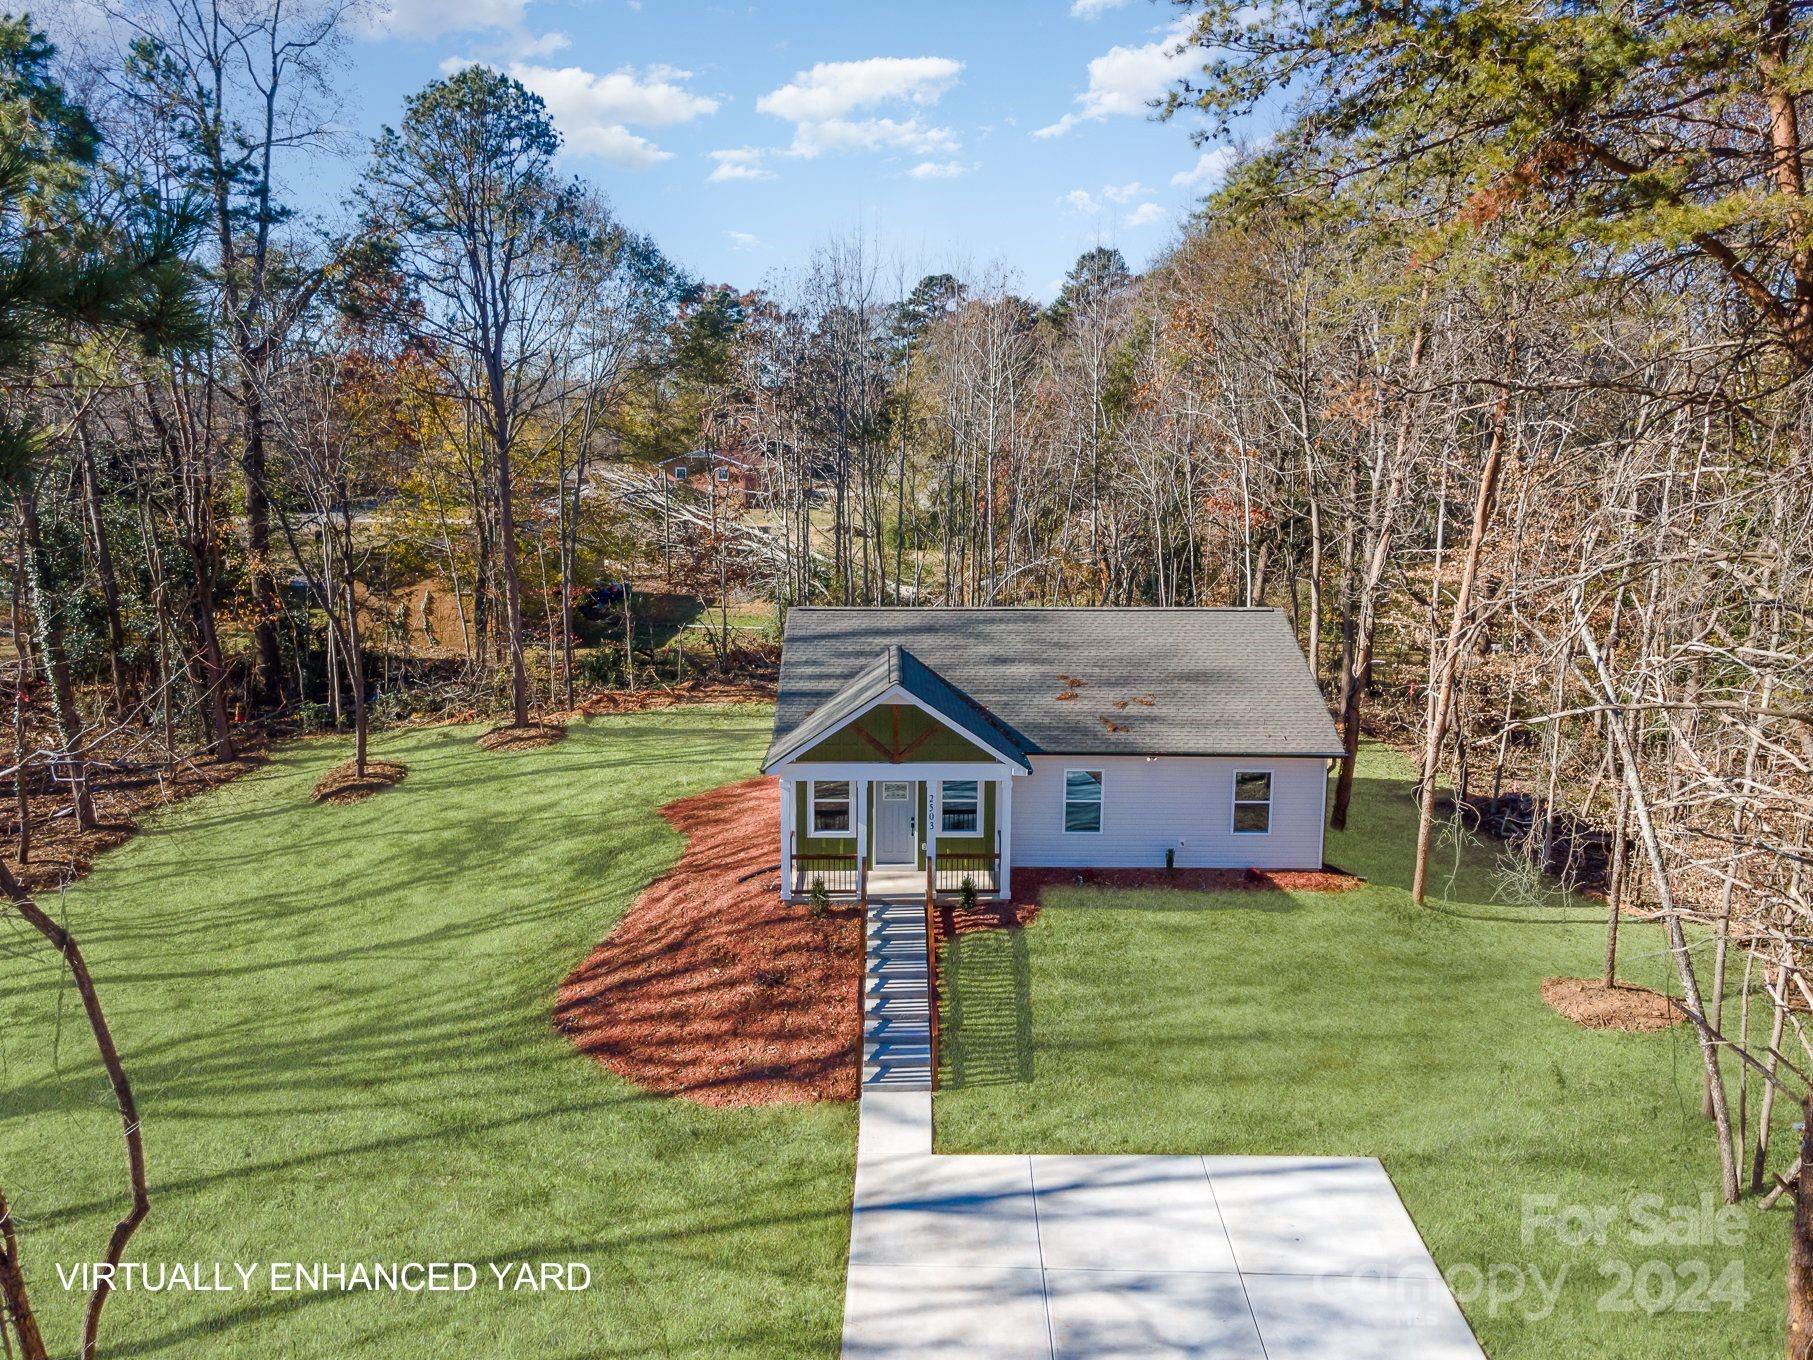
{"x": 896, "y": 1003}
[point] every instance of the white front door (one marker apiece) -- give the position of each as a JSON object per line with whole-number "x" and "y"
{"x": 896, "y": 820}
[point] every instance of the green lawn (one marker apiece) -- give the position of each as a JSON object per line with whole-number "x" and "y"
{"x": 337, "y": 1020}
{"x": 1357, "y": 1024}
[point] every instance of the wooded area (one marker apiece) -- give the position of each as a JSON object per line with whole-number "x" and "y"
{"x": 1491, "y": 369}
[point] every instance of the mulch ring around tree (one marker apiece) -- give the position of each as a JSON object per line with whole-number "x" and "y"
{"x": 525, "y": 738}
{"x": 344, "y": 783}
{"x": 711, "y": 987}
{"x": 1588, "y": 1002}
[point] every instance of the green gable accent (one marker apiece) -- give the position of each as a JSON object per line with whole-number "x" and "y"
{"x": 904, "y": 729}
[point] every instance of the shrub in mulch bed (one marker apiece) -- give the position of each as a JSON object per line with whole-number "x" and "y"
{"x": 344, "y": 783}
{"x": 524, "y": 738}
{"x": 1588, "y": 1002}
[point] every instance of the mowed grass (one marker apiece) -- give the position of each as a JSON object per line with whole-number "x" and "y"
{"x": 1359, "y": 1024}
{"x": 338, "y": 1023}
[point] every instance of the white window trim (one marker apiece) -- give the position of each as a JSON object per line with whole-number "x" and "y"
{"x": 812, "y": 810}
{"x": 1236, "y": 802}
{"x": 981, "y": 811}
{"x": 1064, "y": 801}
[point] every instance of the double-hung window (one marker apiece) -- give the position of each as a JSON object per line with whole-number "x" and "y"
{"x": 1082, "y": 800}
{"x": 1252, "y": 802}
{"x": 960, "y": 808}
{"x": 830, "y": 807}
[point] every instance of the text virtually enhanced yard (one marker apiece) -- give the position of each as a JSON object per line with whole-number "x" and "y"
{"x": 338, "y": 1021}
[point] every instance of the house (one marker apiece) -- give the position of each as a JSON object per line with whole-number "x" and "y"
{"x": 729, "y": 473}
{"x": 916, "y": 748}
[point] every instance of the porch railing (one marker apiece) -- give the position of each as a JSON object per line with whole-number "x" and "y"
{"x": 949, "y": 871}
{"x": 837, "y": 871}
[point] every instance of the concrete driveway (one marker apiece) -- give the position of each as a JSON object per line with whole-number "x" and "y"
{"x": 1235, "y": 1258}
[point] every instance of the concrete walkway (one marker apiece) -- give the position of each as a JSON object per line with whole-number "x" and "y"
{"x": 1224, "y": 1258}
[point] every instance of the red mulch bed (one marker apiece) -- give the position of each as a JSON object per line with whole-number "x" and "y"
{"x": 1588, "y": 1002}
{"x": 1035, "y": 881}
{"x": 711, "y": 987}
{"x": 714, "y": 989}
{"x": 344, "y": 783}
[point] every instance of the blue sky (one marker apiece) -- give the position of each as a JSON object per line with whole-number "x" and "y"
{"x": 954, "y": 134}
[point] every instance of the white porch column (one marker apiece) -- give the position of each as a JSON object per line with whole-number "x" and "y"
{"x": 1004, "y": 833}
{"x": 788, "y": 795}
{"x": 859, "y": 816}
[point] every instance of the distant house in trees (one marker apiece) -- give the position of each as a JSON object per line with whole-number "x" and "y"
{"x": 917, "y": 748}
{"x": 731, "y": 474}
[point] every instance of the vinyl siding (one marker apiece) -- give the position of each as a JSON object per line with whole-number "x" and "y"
{"x": 1181, "y": 802}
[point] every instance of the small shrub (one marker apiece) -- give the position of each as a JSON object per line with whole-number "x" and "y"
{"x": 818, "y": 901}
{"x": 966, "y": 895}
{"x": 1170, "y": 858}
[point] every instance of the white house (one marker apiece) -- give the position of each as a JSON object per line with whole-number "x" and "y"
{"x": 916, "y": 748}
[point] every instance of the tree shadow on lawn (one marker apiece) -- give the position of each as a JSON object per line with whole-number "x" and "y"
{"x": 987, "y": 980}
{"x": 1159, "y": 898}
{"x": 1379, "y": 844}
{"x": 450, "y": 766}
{"x": 643, "y": 1234}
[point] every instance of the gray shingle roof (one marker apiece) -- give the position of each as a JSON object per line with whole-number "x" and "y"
{"x": 897, "y": 666}
{"x": 1221, "y": 682}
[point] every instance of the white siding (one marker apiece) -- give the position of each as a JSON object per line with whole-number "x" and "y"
{"x": 1181, "y": 802}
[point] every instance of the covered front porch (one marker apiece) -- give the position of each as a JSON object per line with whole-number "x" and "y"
{"x": 869, "y": 835}
{"x": 897, "y": 785}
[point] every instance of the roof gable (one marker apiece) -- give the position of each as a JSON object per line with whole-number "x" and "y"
{"x": 895, "y": 675}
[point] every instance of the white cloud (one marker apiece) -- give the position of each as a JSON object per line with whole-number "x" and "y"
{"x": 593, "y": 112}
{"x": 654, "y": 98}
{"x": 743, "y": 240}
{"x": 819, "y": 103}
{"x": 1090, "y": 9}
{"x": 742, "y": 163}
{"x": 939, "y": 170}
{"x": 1124, "y": 80}
{"x": 872, "y": 134}
{"x": 544, "y": 46}
{"x": 832, "y": 89}
{"x": 1095, "y": 203}
{"x": 1208, "y": 171}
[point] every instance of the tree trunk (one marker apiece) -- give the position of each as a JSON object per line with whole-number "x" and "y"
{"x": 103, "y": 565}
{"x": 123, "y": 1100}
{"x": 1800, "y": 1247}
{"x": 267, "y": 669}
{"x": 506, "y": 533}
{"x": 1450, "y": 656}
{"x": 15, "y": 1302}
{"x": 56, "y": 662}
